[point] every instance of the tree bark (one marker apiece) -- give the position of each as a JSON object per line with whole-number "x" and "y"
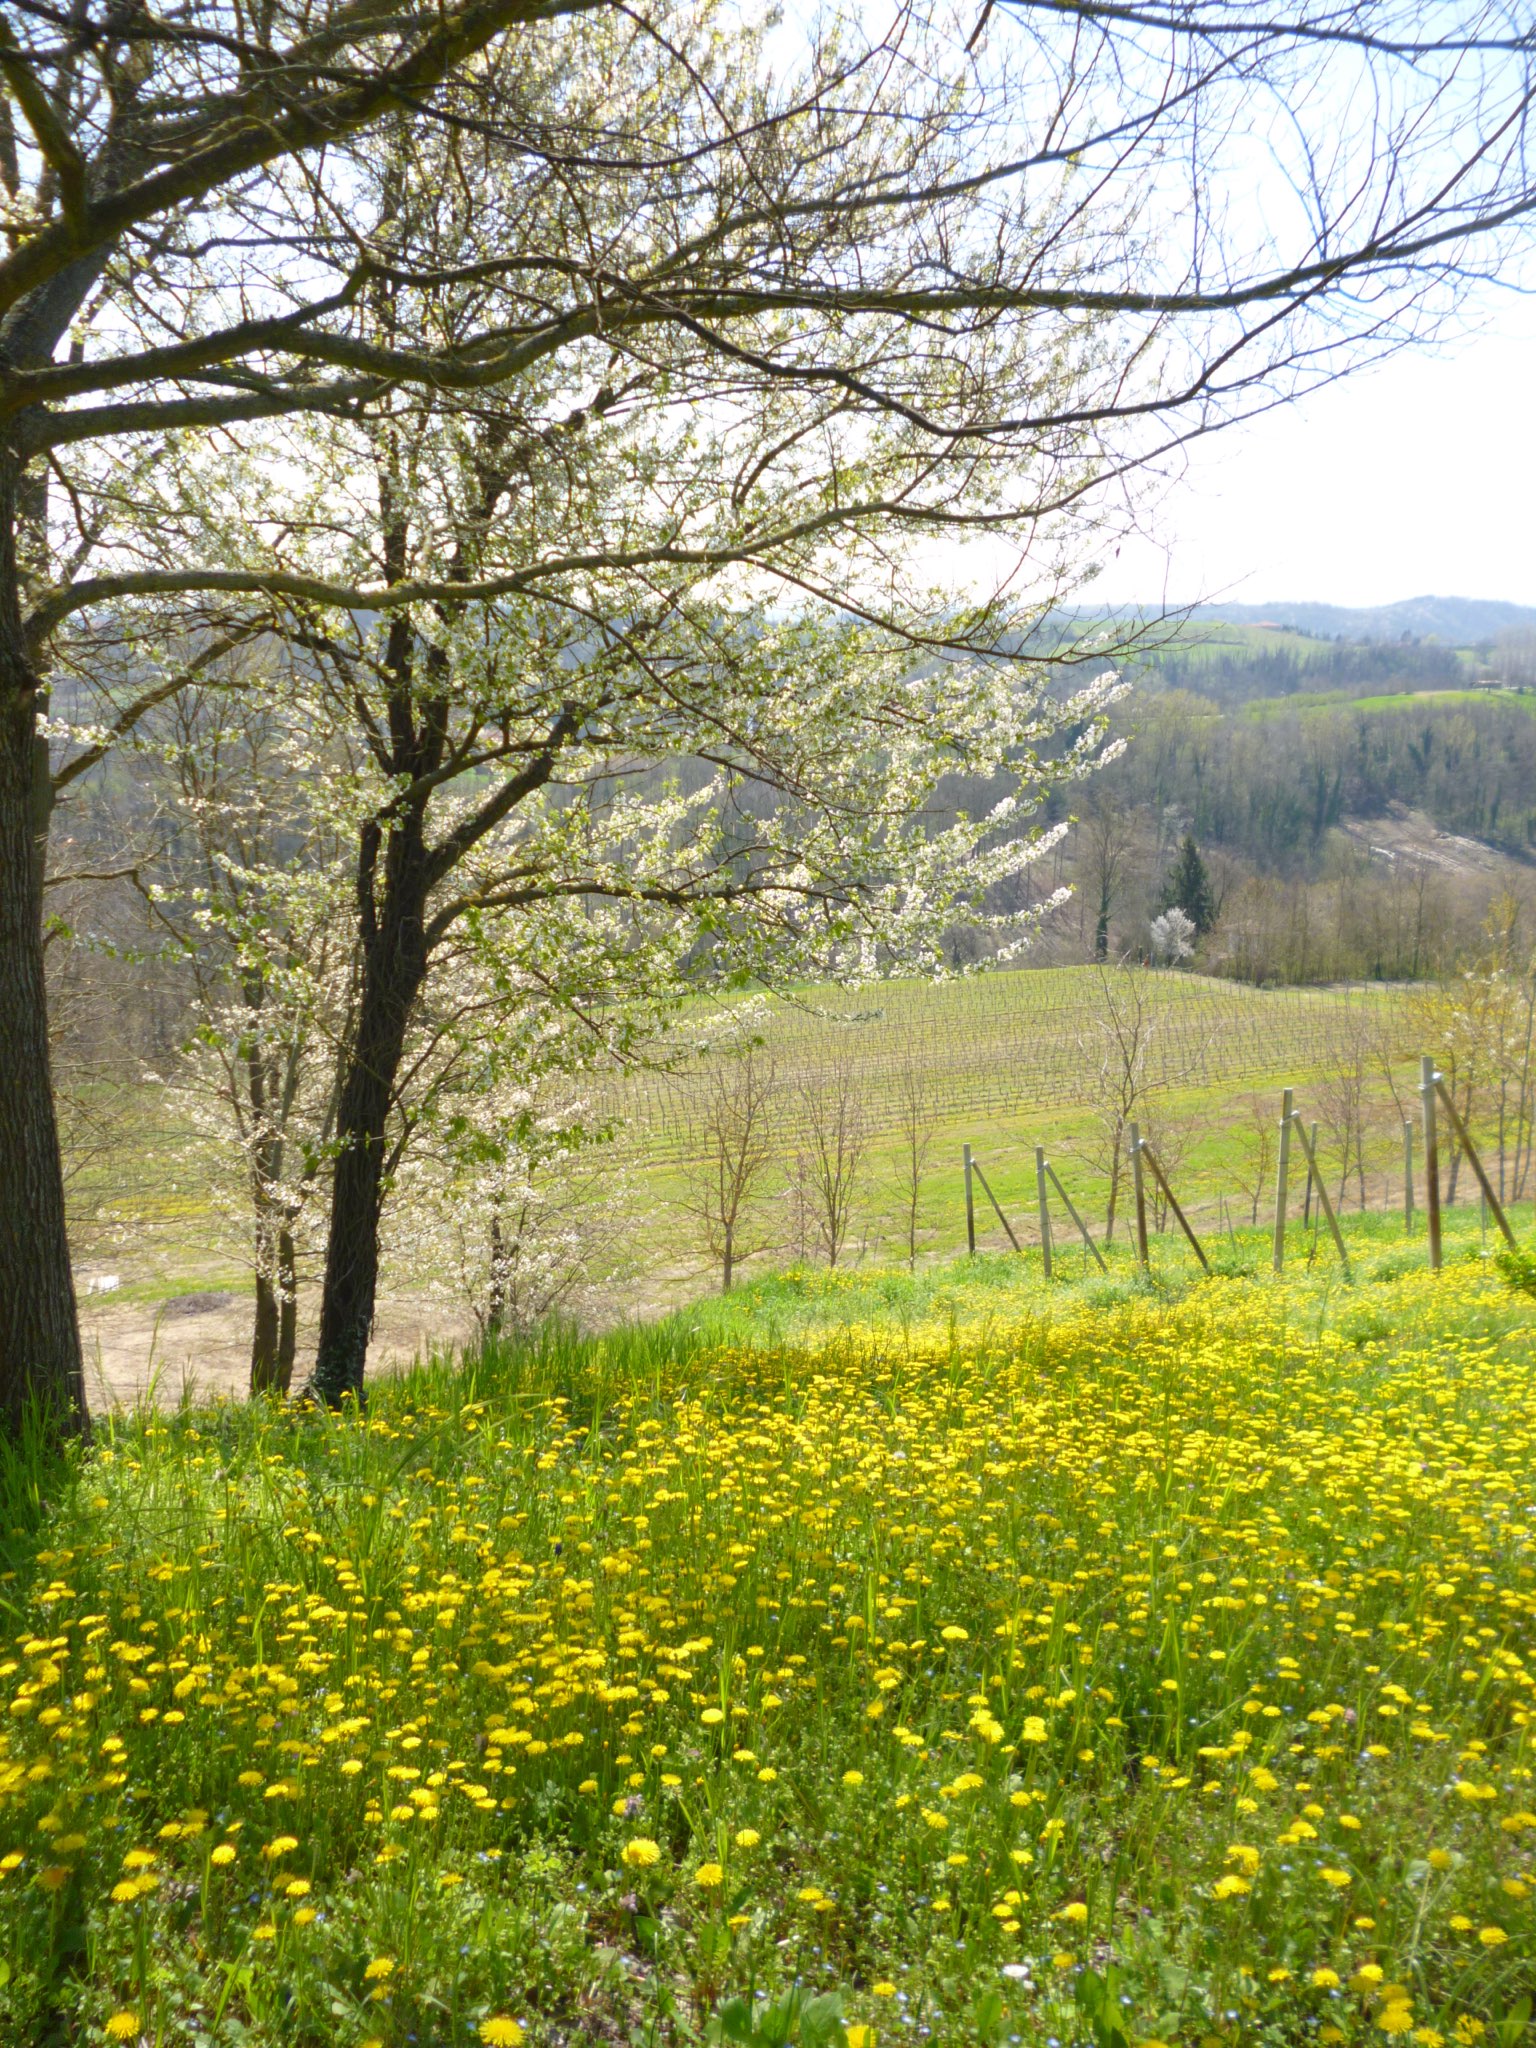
{"x": 275, "y": 1330}
{"x": 394, "y": 968}
{"x": 264, "y": 1338}
{"x": 496, "y": 1295}
{"x": 40, "y": 1362}
{"x": 287, "y": 1309}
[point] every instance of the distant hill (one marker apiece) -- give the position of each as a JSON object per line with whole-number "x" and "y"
{"x": 1457, "y": 621}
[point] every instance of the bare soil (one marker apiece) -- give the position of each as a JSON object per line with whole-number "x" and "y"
{"x": 197, "y": 1346}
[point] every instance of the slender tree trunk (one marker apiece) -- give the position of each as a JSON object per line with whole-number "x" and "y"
{"x": 40, "y": 1363}
{"x": 266, "y": 1168}
{"x": 496, "y": 1295}
{"x": 275, "y": 1331}
{"x": 287, "y": 1308}
{"x": 264, "y": 1335}
{"x": 394, "y": 968}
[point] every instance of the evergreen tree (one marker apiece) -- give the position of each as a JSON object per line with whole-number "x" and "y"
{"x": 1188, "y": 887}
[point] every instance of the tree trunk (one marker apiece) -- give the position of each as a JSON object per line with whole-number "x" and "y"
{"x": 287, "y": 1309}
{"x": 264, "y": 1336}
{"x": 394, "y": 968}
{"x": 496, "y": 1295}
{"x": 40, "y": 1363}
{"x": 274, "y": 1335}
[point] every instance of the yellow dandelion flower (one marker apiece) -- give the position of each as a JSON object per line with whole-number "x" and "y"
{"x": 121, "y": 2026}
{"x": 501, "y": 2032}
{"x": 380, "y": 1968}
{"x": 641, "y": 1853}
{"x": 709, "y": 1875}
{"x": 747, "y": 1838}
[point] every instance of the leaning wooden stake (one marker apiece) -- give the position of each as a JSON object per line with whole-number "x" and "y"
{"x": 1139, "y": 1187}
{"x": 1322, "y": 1192}
{"x": 970, "y": 1207}
{"x": 1306, "y": 1206}
{"x": 987, "y": 1186}
{"x": 1280, "y": 1174}
{"x": 1464, "y": 1139}
{"x": 1173, "y": 1202}
{"x": 1082, "y": 1228}
{"x": 1427, "y": 1079}
{"x": 1045, "y": 1212}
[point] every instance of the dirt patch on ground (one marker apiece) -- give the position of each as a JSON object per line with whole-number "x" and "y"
{"x": 1405, "y": 836}
{"x": 197, "y": 1345}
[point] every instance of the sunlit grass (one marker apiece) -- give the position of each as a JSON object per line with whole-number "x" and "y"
{"x": 1103, "y": 1664}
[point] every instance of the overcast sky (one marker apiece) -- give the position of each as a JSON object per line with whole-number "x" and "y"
{"x": 1417, "y": 477}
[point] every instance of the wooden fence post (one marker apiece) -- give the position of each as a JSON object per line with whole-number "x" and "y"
{"x": 1427, "y": 1078}
{"x": 970, "y": 1207}
{"x": 1322, "y": 1194}
{"x": 1306, "y": 1205}
{"x": 1139, "y": 1187}
{"x": 1280, "y": 1175}
{"x": 997, "y": 1206}
{"x": 1407, "y": 1176}
{"x": 1173, "y": 1202}
{"x": 1464, "y": 1139}
{"x": 1082, "y": 1229}
{"x": 1045, "y": 1212}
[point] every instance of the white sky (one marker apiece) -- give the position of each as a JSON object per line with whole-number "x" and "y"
{"x": 1413, "y": 478}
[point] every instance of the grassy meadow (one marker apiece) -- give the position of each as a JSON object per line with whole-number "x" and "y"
{"x": 862, "y": 1658}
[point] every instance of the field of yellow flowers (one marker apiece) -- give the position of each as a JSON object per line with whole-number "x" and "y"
{"x": 1115, "y": 1669}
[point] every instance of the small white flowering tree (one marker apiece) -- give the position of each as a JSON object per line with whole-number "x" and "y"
{"x": 1172, "y": 934}
{"x": 248, "y": 894}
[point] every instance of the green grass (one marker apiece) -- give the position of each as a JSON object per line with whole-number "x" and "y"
{"x": 1004, "y": 1062}
{"x": 1306, "y": 703}
{"x": 859, "y": 1657}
